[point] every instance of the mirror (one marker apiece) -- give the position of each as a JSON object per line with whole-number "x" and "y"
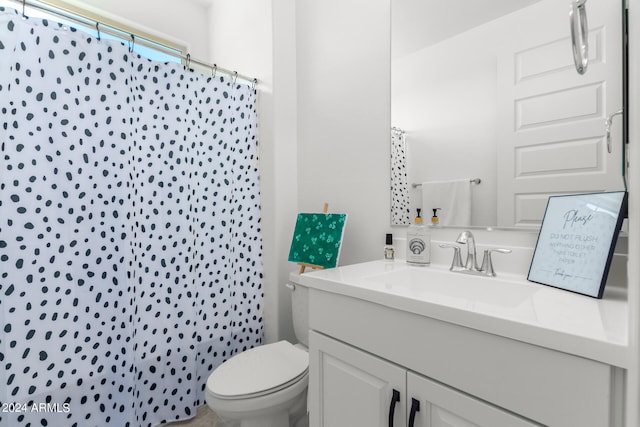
{"x": 486, "y": 93}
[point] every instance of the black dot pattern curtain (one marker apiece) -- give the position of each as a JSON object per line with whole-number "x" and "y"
{"x": 130, "y": 249}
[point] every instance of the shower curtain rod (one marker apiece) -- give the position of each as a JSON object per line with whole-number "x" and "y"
{"x": 113, "y": 29}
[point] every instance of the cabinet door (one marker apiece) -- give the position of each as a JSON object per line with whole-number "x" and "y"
{"x": 351, "y": 388}
{"x": 436, "y": 405}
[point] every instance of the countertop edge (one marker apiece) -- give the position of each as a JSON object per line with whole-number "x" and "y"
{"x": 615, "y": 354}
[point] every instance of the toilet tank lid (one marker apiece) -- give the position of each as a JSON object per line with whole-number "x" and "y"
{"x": 258, "y": 369}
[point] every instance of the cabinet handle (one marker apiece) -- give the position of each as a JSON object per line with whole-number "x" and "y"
{"x": 415, "y": 408}
{"x": 395, "y": 398}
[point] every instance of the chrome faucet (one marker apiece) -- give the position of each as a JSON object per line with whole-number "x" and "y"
{"x": 487, "y": 263}
{"x": 471, "y": 265}
{"x": 466, "y": 237}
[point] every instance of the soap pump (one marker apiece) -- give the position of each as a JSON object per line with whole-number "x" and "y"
{"x": 434, "y": 219}
{"x": 418, "y": 242}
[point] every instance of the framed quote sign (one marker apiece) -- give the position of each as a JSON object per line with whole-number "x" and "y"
{"x": 576, "y": 241}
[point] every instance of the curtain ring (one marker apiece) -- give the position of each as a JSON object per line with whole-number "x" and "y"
{"x": 235, "y": 77}
{"x": 98, "y": 30}
{"x": 214, "y": 70}
{"x": 188, "y": 64}
{"x": 254, "y": 84}
{"x": 24, "y": 3}
{"x": 133, "y": 43}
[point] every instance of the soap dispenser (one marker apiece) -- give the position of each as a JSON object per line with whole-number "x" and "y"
{"x": 435, "y": 221}
{"x": 418, "y": 242}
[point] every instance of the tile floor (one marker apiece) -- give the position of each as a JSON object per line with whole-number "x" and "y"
{"x": 204, "y": 418}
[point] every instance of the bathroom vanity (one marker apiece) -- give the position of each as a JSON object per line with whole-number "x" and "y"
{"x": 399, "y": 345}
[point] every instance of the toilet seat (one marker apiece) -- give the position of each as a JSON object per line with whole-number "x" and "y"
{"x": 259, "y": 371}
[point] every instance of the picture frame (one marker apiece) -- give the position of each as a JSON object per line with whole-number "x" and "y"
{"x": 317, "y": 239}
{"x": 577, "y": 241}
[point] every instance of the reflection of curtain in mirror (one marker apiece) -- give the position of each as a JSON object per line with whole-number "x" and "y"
{"x": 399, "y": 186}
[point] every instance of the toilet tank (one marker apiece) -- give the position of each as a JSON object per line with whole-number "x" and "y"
{"x": 300, "y": 312}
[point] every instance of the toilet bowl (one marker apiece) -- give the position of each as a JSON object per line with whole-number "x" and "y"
{"x": 262, "y": 387}
{"x": 266, "y": 386}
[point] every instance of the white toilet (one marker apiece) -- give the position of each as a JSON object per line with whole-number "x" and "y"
{"x": 266, "y": 386}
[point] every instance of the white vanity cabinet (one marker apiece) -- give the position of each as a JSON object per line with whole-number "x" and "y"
{"x": 467, "y": 359}
{"x": 352, "y": 388}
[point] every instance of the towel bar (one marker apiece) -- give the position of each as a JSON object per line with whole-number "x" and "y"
{"x": 473, "y": 181}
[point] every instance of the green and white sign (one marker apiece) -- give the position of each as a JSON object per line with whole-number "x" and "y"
{"x": 317, "y": 238}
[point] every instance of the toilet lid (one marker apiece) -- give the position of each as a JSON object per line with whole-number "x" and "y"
{"x": 258, "y": 370}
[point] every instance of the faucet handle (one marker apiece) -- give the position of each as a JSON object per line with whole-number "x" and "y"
{"x": 487, "y": 263}
{"x": 456, "y": 263}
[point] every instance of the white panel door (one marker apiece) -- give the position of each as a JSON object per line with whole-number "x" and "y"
{"x": 551, "y": 133}
{"x": 351, "y": 388}
{"x": 432, "y": 404}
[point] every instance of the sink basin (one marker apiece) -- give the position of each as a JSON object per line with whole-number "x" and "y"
{"x": 429, "y": 283}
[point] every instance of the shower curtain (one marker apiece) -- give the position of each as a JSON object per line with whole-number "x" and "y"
{"x": 129, "y": 230}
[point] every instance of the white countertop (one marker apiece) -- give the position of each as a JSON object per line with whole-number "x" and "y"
{"x": 508, "y": 305}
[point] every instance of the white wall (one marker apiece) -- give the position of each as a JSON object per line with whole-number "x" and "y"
{"x": 321, "y": 138}
{"x": 257, "y": 37}
{"x": 185, "y": 24}
{"x": 284, "y": 187}
{"x": 343, "y": 58}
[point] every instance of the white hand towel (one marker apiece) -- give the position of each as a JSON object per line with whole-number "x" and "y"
{"x": 452, "y": 197}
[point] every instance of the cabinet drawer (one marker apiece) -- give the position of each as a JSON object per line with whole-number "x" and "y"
{"x": 547, "y": 386}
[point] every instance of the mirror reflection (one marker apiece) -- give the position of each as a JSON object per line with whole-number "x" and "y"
{"x": 490, "y": 116}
